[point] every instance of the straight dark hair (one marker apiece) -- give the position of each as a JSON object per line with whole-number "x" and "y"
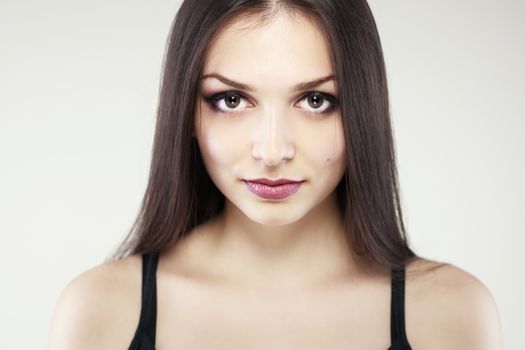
{"x": 180, "y": 195}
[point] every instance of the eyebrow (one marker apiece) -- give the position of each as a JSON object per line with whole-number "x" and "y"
{"x": 298, "y": 87}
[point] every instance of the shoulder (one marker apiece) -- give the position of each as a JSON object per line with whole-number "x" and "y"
{"x": 448, "y": 307}
{"x": 99, "y": 308}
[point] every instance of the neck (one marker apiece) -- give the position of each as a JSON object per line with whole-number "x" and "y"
{"x": 310, "y": 250}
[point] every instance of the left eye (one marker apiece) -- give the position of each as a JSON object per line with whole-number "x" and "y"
{"x": 227, "y": 102}
{"x": 317, "y": 99}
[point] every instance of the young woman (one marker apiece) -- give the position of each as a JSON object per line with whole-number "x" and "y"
{"x": 272, "y": 217}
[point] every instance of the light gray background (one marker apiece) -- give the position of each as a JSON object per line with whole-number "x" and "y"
{"x": 78, "y": 92}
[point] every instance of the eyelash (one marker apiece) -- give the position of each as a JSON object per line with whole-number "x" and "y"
{"x": 213, "y": 99}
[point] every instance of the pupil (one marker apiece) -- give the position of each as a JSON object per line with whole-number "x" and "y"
{"x": 230, "y": 100}
{"x": 315, "y": 99}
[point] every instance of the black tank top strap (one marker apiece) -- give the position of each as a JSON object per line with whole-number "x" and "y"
{"x": 398, "y": 335}
{"x": 146, "y": 330}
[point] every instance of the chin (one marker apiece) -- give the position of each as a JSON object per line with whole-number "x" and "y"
{"x": 274, "y": 215}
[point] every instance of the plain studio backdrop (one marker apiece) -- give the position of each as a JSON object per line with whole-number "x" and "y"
{"x": 78, "y": 93}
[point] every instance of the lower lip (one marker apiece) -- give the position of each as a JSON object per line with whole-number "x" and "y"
{"x": 273, "y": 192}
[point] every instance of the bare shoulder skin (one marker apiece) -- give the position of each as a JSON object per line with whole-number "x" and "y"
{"x": 449, "y": 308}
{"x": 99, "y": 308}
{"x": 445, "y": 307}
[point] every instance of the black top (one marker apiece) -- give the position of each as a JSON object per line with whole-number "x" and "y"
{"x": 144, "y": 338}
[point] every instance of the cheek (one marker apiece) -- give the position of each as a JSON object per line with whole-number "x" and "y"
{"x": 220, "y": 145}
{"x": 325, "y": 145}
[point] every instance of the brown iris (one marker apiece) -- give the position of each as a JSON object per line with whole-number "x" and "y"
{"x": 315, "y": 100}
{"x": 232, "y": 100}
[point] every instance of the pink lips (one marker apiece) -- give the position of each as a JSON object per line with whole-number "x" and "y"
{"x": 273, "y": 189}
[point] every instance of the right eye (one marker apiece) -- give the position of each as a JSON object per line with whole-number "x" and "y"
{"x": 225, "y": 102}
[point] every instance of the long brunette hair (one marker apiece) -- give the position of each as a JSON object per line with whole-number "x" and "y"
{"x": 180, "y": 195}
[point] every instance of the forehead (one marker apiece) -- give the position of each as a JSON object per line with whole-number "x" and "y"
{"x": 270, "y": 56}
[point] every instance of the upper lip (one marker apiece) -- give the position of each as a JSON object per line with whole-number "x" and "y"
{"x": 275, "y": 182}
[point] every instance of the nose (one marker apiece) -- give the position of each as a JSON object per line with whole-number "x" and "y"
{"x": 273, "y": 142}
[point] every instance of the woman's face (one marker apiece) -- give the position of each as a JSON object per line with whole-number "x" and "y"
{"x": 268, "y": 129}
